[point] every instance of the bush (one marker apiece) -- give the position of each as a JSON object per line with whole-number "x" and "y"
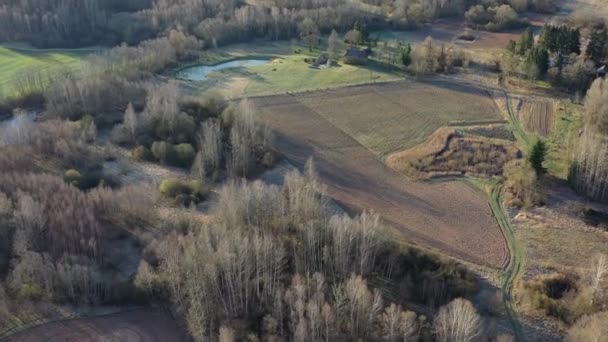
{"x": 96, "y": 178}
{"x": 183, "y": 192}
{"x": 73, "y": 177}
{"x": 31, "y": 291}
{"x": 141, "y": 153}
{"x": 171, "y": 188}
{"x": 184, "y": 155}
{"x": 161, "y": 150}
{"x": 522, "y": 183}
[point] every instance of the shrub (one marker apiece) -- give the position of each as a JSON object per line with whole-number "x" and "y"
{"x": 161, "y": 150}
{"x": 171, "y": 187}
{"x": 95, "y": 178}
{"x": 72, "y": 176}
{"x": 183, "y": 192}
{"x": 31, "y": 291}
{"x": 269, "y": 159}
{"x": 141, "y": 153}
{"x": 522, "y": 183}
{"x": 120, "y": 135}
{"x": 184, "y": 155}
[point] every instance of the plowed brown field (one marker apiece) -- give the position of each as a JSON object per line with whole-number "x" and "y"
{"x": 147, "y": 325}
{"x": 449, "y": 217}
{"x": 536, "y": 116}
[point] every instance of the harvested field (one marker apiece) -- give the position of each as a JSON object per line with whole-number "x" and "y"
{"x": 451, "y": 153}
{"x": 536, "y": 116}
{"x": 394, "y": 116}
{"x": 148, "y": 325}
{"x": 448, "y": 217}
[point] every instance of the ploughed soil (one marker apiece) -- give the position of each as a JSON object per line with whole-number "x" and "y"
{"x": 449, "y": 217}
{"x": 536, "y": 115}
{"x": 149, "y": 325}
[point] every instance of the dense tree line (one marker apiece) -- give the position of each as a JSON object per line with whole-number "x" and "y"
{"x": 56, "y": 231}
{"x": 67, "y": 23}
{"x": 71, "y": 23}
{"x": 556, "y": 56}
{"x": 276, "y": 261}
{"x": 430, "y": 57}
{"x": 589, "y": 173}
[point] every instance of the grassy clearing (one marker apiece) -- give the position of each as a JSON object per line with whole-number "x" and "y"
{"x": 16, "y": 61}
{"x": 288, "y": 73}
{"x": 562, "y": 142}
{"x": 292, "y": 74}
{"x": 394, "y": 116}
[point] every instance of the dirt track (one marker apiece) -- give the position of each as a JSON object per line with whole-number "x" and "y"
{"x": 449, "y": 217}
{"x": 149, "y": 325}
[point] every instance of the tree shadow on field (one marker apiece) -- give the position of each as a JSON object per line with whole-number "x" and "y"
{"x": 454, "y": 85}
{"x": 381, "y": 68}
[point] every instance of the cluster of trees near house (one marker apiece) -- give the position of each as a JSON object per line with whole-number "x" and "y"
{"x": 557, "y": 54}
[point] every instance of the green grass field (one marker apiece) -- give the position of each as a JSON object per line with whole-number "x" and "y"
{"x": 292, "y": 74}
{"x": 393, "y": 116}
{"x": 16, "y": 61}
{"x": 287, "y": 72}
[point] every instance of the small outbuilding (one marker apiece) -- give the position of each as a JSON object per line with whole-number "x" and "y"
{"x": 356, "y": 56}
{"x": 601, "y": 71}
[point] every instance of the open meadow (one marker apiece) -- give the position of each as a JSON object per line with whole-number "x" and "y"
{"x": 286, "y": 72}
{"x": 15, "y": 61}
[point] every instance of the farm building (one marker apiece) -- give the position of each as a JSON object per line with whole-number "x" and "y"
{"x": 601, "y": 71}
{"x": 356, "y": 56}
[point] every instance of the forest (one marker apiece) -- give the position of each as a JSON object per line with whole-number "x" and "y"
{"x": 125, "y": 186}
{"x": 75, "y": 23}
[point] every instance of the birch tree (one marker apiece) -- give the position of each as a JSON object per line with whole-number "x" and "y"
{"x": 458, "y": 321}
{"x": 600, "y": 272}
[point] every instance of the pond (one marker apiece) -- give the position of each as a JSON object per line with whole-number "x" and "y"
{"x": 200, "y": 72}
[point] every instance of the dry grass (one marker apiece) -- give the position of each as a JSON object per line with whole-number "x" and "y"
{"x": 450, "y": 153}
{"x": 556, "y": 236}
{"x": 449, "y": 217}
{"x": 394, "y": 116}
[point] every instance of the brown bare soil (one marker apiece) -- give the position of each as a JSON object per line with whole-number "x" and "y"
{"x": 448, "y": 31}
{"x": 449, "y": 217}
{"x": 148, "y": 325}
{"x": 450, "y": 153}
{"x": 536, "y": 115}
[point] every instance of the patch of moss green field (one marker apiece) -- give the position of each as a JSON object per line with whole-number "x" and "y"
{"x": 287, "y": 71}
{"x": 14, "y": 62}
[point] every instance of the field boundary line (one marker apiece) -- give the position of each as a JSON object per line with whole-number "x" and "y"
{"x": 516, "y": 262}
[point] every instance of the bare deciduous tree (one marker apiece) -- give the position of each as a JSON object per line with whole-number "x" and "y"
{"x": 458, "y": 321}
{"x": 130, "y": 121}
{"x": 334, "y": 46}
{"x": 600, "y": 272}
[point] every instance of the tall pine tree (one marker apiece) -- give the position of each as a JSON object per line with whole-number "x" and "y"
{"x": 537, "y": 157}
{"x": 596, "y": 50}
